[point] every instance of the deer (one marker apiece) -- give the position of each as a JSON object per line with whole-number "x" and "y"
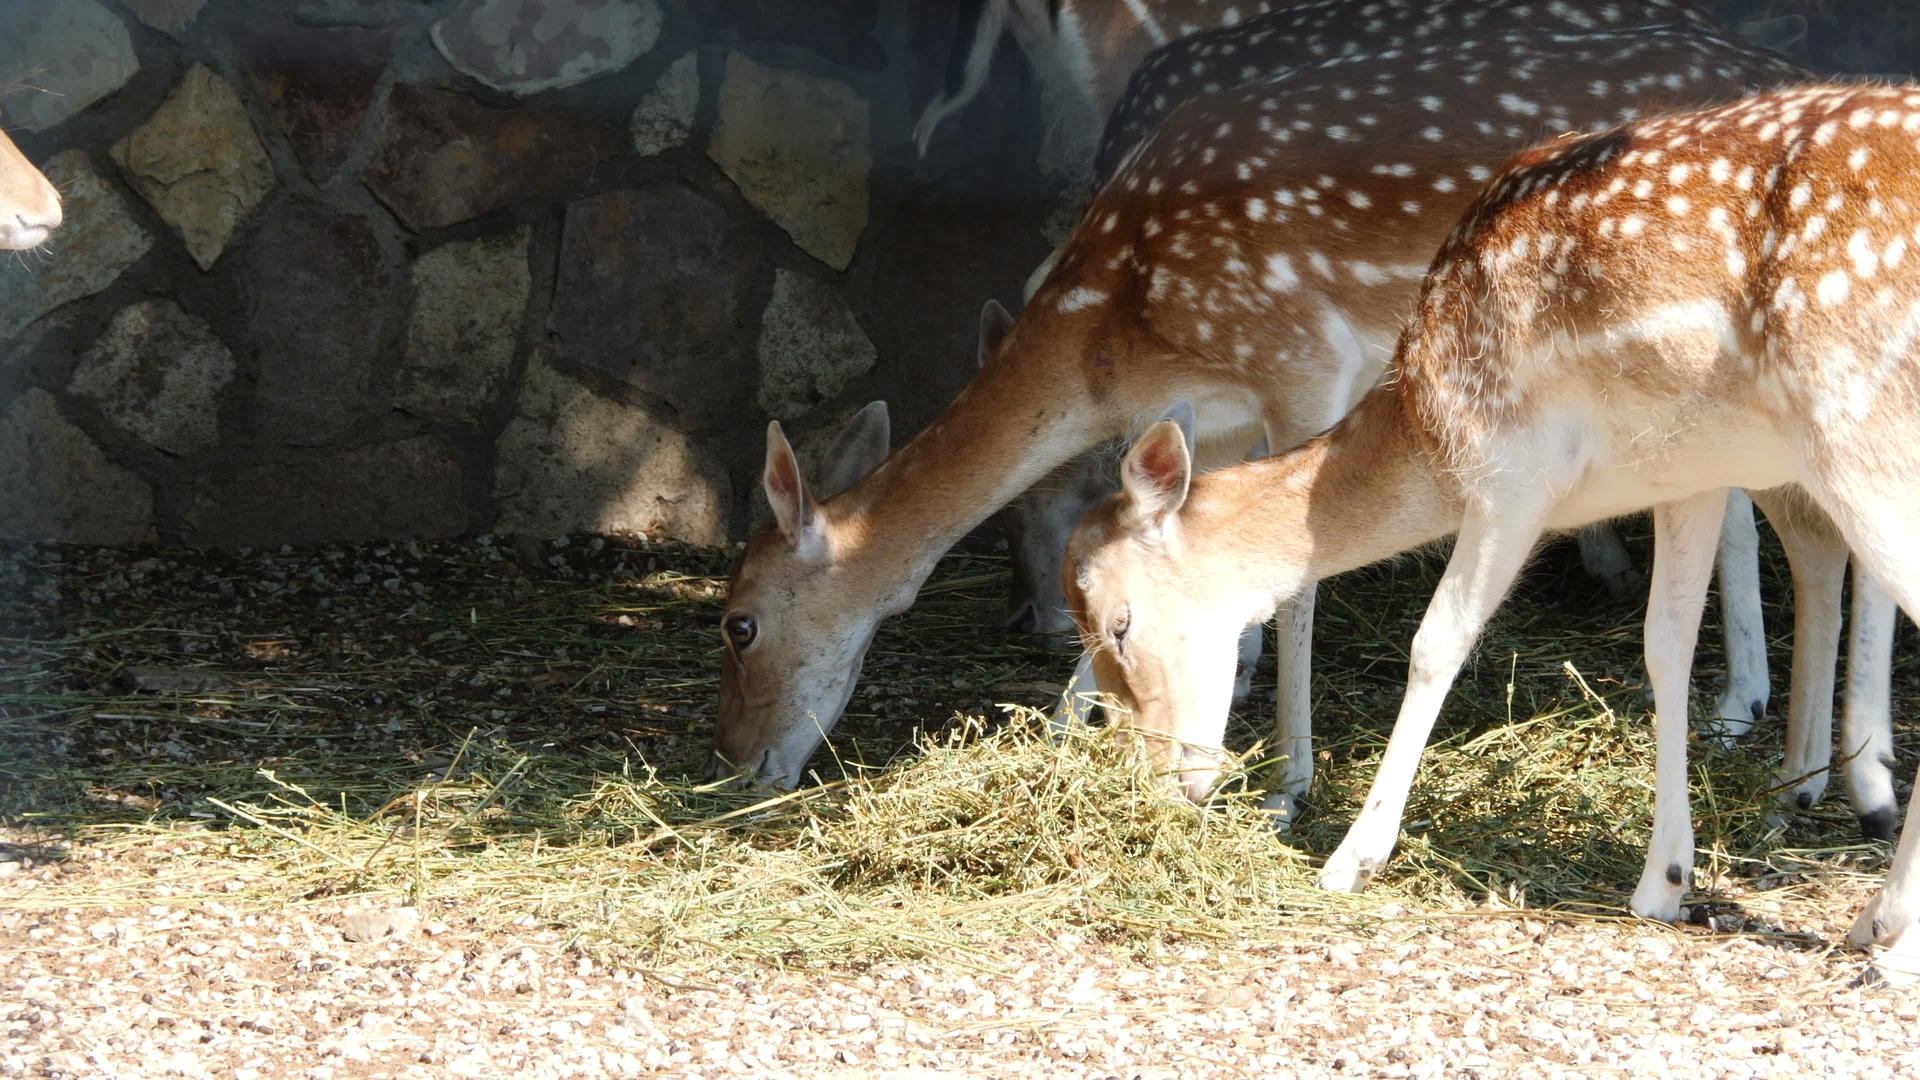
{"x": 1320, "y": 240}
{"x": 1195, "y": 60}
{"x": 1641, "y": 317}
{"x": 29, "y": 204}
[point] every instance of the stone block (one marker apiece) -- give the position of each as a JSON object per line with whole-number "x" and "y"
{"x": 320, "y": 84}
{"x": 412, "y": 488}
{"x": 468, "y": 301}
{"x": 96, "y": 243}
{"x": 797, "y": 146}
{"x": 664, "y": 118}
{"x": 170, "y": 17}
{"x": 158, "y": 373}
{"x": 572, "y": 461}
{"x": 445, "y": 158}
{"x": 810, "y": 345}
{"x": 525, "y": 46}
{"x": 198, "y": 162}
{"x": 74, "y": 52}
{"x": 652, "y": 290}
{"x": 57, "y": 484}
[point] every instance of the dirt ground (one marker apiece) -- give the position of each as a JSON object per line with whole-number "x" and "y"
{"x": 144, "y": 690}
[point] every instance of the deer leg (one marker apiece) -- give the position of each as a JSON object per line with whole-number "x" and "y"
{"x": 1818, "y": 558}
{"x": 1742, "y": 625}
{"x": 1684, "y": 538}
{"x": 1866, "y": 726}
{"x": 1292, "y": 742}
{"x": 1495, "y": 539}
{"x": 1606, "y": 558}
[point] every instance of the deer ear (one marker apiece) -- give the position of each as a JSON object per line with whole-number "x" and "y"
{"x": 1155, "y": 475}
{"x": 860, "y": 447}
{"x": 786, "y": 489}
{"x": 994, "y": 324}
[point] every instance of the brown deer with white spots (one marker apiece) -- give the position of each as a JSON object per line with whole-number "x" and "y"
{"x": 1255, "y": 257}
{"x": 29, "y": 205}
{"x": 1266, "y": 47}
{"x": 1643, "y": 317}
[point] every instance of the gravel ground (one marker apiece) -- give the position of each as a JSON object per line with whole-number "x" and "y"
{"x": 204, "y": 989}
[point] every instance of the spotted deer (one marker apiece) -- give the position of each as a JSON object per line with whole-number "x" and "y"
{"x": 1254, "y": 257}
{"x": 1644, "y": 317}
{"x": 1194, "y": 62}
{"x": 29, "y": 205}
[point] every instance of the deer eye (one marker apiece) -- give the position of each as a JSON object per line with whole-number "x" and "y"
{"x": 741, "y": 631}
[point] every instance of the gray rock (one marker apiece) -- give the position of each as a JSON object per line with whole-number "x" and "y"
{"x": 526, "y": 46}
{"x": 468, "y": 300}
{"x": 409, "y": 488}
{"x": 444, "y": 157}
{"x": 56, "y": 484}
{"x": 810, "y": 345}
{"x": 317, "y": 290}
{"x": 652, "y": 289}
{"x": 197, "y": 160}
{"x": 573, "y": 461}
{"x": 367, "y": 14}
{"x": 70, "y": 53}
{"x": 167, "y": 16}
{"x": 664, "y": 118}
{"x": 320, "y": 83}
{"x": 158, "y": 373}
{"x": 96, "y": 243}
{"x": 797, "y": 145}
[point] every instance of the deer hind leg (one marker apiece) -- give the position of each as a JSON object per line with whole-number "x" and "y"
{"x": 1866, "y": 726}
{"x": 1818, "y": 558}
{"x": 1879, "y": 514}
{"x": 1685, "y": 536}
{"x": 1496, "y": 535}
{"x": 1292, "y": 742}
{"x": 1743, "y": 628}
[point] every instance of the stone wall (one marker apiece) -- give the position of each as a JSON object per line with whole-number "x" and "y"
{"x": 338, "y": 269}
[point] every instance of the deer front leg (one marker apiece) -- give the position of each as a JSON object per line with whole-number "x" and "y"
{"x": 1292, "y": 742}
{"x": 1495, "y": 538}
{"x": 1742, "y": 625}
{"x": 1684, "y": 538}
{"x": 1887, "y": 923}
{"x": 1866, "y": 726}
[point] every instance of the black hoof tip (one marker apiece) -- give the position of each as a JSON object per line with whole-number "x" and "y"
{"x": 1759, "y": 710}
{"x": 1804, "y": 800}
{"x": 1676, "y": 874}
{"x": 1877, "y": 824}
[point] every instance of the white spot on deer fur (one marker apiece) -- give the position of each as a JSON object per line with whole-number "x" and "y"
{"x": 1359, "y": 200}
{"x": 1430, "y": 103}
{"x": 1860, "y": 249}
{"x": 1679, "y": 173}
{"x": 1823, "y": 134}
{"x": 1410, "y": 207}
{"x": 1432, "y": 134}
{"x": 1859, "y": 118}
{"x": 1479, "y": 173}
{"x": 1678, "y": 205}
{"x": 1280, "y": 274}
{"x": 1444, "y": 184}
{"x": 1832, "y": 288}
{"x": 1642, "y": 188}
{"x": 1257, "y": 209}
{"x": 1801, "y": 194}
{"x": 1896, "y": 251}
{"x": 1367, "y": 273}
{"x": 1744, "y": 179}
{"x": 1080, "y": 299}
{"x": 1513, "y": 103}
{"x": 1284, "y": 197}
{"x": 1339, "y": 133}
{"x": 1112, "y": 219}
{"x": 1721, "y": 170}
{"x": 1633, "y": 225}
{"x": 1816, "y": 225}
{"x": 1857, "y": 158}
{"x": 1736, "y": 262}
{"x": 1320, "y": 264}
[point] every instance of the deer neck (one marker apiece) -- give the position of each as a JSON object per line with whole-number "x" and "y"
{"x": 1018, "y": 419}
{"x": 1365, "y": 491}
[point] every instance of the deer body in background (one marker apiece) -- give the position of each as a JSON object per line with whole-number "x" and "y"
{"x": 1256, "y": 257}
{"x": 1647, "y": 316}
{"x": 1200, "y": 57}
{"x": 29, "y": 205}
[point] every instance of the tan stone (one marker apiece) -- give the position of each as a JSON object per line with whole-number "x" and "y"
{"x": 56, "y": 484}
{"x": 468, "y": 299}
{"x": 573, "y": 461}
{"x": 797, "y": 146}
{"x": 197, "y": 160}
{"x": 97, "y": 242}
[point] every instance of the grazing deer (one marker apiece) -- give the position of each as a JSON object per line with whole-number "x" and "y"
{"x": 1254, "y": 257}
{"x": 1727, "y": 297}
{"x": 1196, "y": 62}
{"x": 29, "y": 205}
